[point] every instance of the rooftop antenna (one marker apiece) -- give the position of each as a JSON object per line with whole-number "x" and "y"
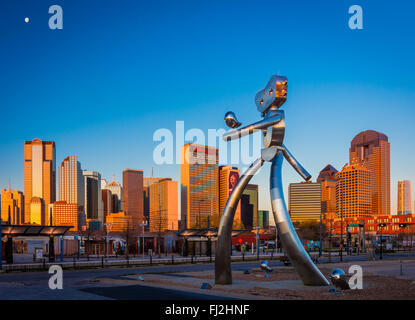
{"x": 152, "y": 171}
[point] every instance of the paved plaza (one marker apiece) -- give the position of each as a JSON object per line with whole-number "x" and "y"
{"x": 393, "y": 277}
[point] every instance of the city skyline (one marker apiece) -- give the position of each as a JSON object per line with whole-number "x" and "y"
{"x": 336, "y": 86}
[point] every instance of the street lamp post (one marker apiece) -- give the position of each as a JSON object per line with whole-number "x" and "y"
{"x": 320, "y": 245}
{"x": 143, "y": 225}
{"x": 341, "y": 229}
{"x": 107, "y": 224}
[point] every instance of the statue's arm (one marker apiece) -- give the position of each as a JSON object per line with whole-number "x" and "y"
{"x": 244, "y": 131}
{"x": 294, "y": 163}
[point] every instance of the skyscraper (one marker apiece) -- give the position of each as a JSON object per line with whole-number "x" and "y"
{"x": 353, "y": 192}
{"x": 372, "y": 150}
{"x": 228, "y": 177}
{"x": 71, "y": 191}
{"x": 94, "y": 207}
{"x": 12, "y": 206}
{"x": 404, "y": 197}
{"x": 39, "y": 180}
{"x": 147, "y": 181}
{"x": 132, "y": 181}
{"x": 249, "y": 206}
{"x": 199, "y": 185}
{"x": 116, "y": 193}
{"x": 304, "y": 201}
{"x": 107, "y": 200}
{"x": 328, "y": 182}
{"x": 164, "y": 205}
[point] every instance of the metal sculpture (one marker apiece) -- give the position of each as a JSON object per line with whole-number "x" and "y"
{"x": 268, "y": 102}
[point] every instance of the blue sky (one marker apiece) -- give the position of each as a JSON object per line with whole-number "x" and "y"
{"x": 118, "y": 71}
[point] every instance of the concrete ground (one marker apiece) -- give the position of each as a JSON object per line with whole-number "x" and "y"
{"x": 178, "y": 282}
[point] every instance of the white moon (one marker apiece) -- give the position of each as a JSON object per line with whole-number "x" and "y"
{"x": 26, "y": 19}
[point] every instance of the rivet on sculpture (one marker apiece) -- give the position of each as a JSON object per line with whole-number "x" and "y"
{"x": 268, "y": 101}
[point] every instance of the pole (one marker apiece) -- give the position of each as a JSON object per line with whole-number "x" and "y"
{"x": 381, "y": 245}
{"x": 320, "y": 246}
{"x": 61, "y": 248}
{"x": 341, "y": 229}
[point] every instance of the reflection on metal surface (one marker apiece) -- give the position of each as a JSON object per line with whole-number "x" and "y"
{"x": 268, "y": 102}
{"x": 223, "y": 272}
{"x": 231, "y": 121}
{"x": 306, "y": 269}
{"x": 273, "y": 95}
{"x": 339, "y": 279}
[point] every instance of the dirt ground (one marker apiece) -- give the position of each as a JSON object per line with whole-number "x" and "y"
{"x": 374, "y": 286}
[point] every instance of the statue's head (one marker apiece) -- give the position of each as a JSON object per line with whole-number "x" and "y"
{"x": 273, "y": 95}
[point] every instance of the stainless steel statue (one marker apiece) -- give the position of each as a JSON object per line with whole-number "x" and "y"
{"x": 268, "y": 101}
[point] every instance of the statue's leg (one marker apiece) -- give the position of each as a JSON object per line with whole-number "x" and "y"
{"x": 223, "y": 272}
{"x": 306, "y": 269}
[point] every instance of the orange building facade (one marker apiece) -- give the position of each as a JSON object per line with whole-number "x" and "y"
{"x": 393, "y": 225}
{"x": 39, "y": 180}
{"x": 372, "y": 150}
{"x": 133, "y": 197}
{"x": 65, "y": 214}
{"x": 328, "y": 182}
{"x": 119, "y": 222}
{"x": 199, "y": 185}
{"x": 228, "y": 177}
{"x": 163, "y": 206}
{"x": 353, "y": 192}
{"x": 12, "y": 206}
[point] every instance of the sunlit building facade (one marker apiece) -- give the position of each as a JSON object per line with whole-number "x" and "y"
{"x": 39, "y": 180}
{"x": 147, "y": 181}
{"x": 304, "y": 201}
{"x": 66, "y": 214}
{"x": 228, "y": 177}
{"x": 328, "y": 182}
{"x": 199, "y": 185}
{"x": 404, "y": 197}
{"x": 133, "y": 196}
{"x": 119, "y": 222}
{"x": 353, "y": 192}
{"x": 12, "y": 206}
{"x": 164, "y": 206}
{"x": 72, "y": 186}
{"x": 372, "y": 150}
{"x": 116, "y": 193}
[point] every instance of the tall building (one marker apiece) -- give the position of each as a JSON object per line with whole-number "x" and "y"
{"x": 147, "y": 181}
{"x": 71, "y": 191}
{"x": 132, "y": 181}
{"x": 116, "y": 193}
{"x": 372, "y": 150}
{"x": 263, "y": 218}
{"x": 304, "y": 201}
{"x": 353, "y": 192}
{"x": 249, "y": 206}
{"x": 228, "y": 177}
{"x": 107, "y": 200}
{"x": 404, "y": 197}
{"x": 39, "y": 180}
{"x": 328, "y": 182}
{"x": 164, "y": 205}
{"x": 199, "y": 185}
{"x": 94, "y": 207}
{"x": 12, "y": 206}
